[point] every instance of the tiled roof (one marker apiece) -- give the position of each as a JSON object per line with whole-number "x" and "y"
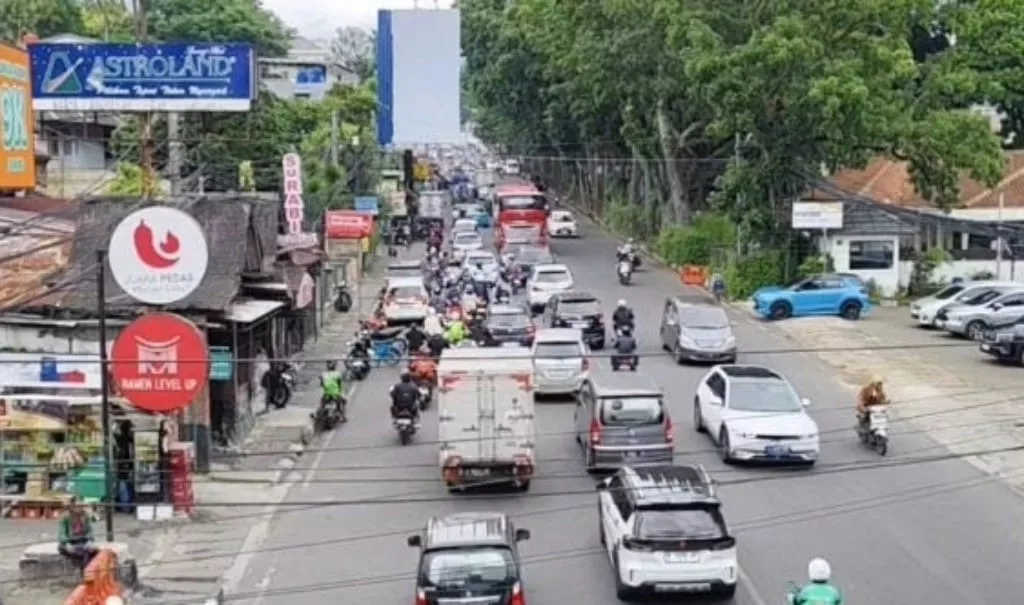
{"x": 35, "y": 250}
{"x": 888, "y": 181}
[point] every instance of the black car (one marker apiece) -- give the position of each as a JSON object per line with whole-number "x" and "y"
{"x": 510, "y": 325}
{"x": 575, "y": 309}
{"x": 469, "y": 558}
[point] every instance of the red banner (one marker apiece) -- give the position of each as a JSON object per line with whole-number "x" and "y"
{"x": 347, "y": 224}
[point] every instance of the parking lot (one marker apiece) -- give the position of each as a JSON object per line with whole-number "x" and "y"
{"x": 945, "y": 386}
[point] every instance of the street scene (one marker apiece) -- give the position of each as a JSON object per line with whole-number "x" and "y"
{"x": 563, "y": 302}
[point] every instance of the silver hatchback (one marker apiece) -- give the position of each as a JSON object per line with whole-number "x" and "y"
{"x": 697, "y": 332}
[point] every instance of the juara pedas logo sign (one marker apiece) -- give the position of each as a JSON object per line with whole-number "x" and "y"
{"x": 17, "y": 123}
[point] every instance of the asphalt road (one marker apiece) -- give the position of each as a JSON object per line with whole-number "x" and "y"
{"x": 937, "y": 533}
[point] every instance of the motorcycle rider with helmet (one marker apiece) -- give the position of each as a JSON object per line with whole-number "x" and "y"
{"x": 416, "y": 338}
{"x": 332, "y": 386}
{"x": 623, "y": 316}
{"x": 405, "y": 398}
{"x": 456, "y": 333}
{"x": 819, "y": 590}
{"x": 871, "y": 395}
{"x": 625, "y": 349}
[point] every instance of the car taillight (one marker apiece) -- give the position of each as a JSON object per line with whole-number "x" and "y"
{"x": 531, "y": 329}
{"x": 517, "y": 595}
{"x": 669, "y": 431}
{"x": 586, "y": 364}
{"x": 599, "y": 317}
{"x": 595, "y": 432}
{"x": 421, "y": 597}
{"x": 453, "y": 461}
{"x": 636, "y": 546}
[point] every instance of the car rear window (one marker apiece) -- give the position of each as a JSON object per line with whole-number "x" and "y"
{"x": 466, "y": 238}
{"x": 631, "y": 411}
{"x": 559, "y": 350}
{"x": 509, "y": 319}
{"x": 689, "y": 524}
{"x": 406, "y": 292}
{"x": 467, "y": 568}
{"x": 579, "y": 307}
{"x": 701, "y": 318}
{"x": 552, "y": 277}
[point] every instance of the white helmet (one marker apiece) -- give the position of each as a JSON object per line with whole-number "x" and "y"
{"x": 622, "y": 302}
{"x": 818, "y": 570}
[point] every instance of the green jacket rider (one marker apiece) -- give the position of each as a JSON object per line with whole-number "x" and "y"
{"x": 456, "y": 332}
{"x": 818, "y": 591}
{"x": 332, "y": 383}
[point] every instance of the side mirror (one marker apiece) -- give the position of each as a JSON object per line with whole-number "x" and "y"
{"x": 415, "y": 541}
{"x": 805, "y": 402}
{"x": 522, "y": 534}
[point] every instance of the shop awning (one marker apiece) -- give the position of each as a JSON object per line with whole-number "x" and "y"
{"x": 248, "y": 311}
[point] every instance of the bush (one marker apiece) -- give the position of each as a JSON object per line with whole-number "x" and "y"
{"x": 921, "y": 278}
{"x": 766, "y": 268}
{"x": 815, "y": 265}
{"x": 706, "y": 242}
{"x": 624, "y": 218}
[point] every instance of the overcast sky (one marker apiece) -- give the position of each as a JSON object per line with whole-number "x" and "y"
{"x": 316, "y": 19}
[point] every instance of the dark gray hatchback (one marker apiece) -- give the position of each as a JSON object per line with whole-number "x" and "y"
{"x": 621, "y": 419}
{"x": 510, "y": 325}
{"x": 469, "y": 559}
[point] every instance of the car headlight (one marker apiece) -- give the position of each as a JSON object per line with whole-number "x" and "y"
{"x": 744, "y": 435}
{"x": 730, "y": 342}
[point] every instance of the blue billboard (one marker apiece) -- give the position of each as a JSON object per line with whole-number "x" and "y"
{"x": 143, "y": 77}
{"x": 368, "y": 203}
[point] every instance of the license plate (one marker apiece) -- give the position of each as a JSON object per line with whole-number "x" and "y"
{"x": 510, "y": 344}
{"x": 776, "y": 451}
{"x": 476, "y": 472}
{"x": 579, "y": 324}
{"x": 682, "y": 557}
{"x": 699, "y": 587}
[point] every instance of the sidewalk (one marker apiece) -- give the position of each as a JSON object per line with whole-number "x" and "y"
{"x": 952, "y": 393}
{"x": 190, "y": 561}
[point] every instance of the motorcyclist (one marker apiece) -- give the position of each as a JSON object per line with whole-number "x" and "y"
{"x": 436, "y": 345}
{"x": 872, "y": 394}
{"x": 818, "y": 591}
{"x": 469, "y": 300}
{"x": 415, "y": 337}
{"x": 432, "y": 324}
{"x": 623, "y": 316}
{"x": 423, "y": 369}
{"x": 332, "y": 386}
{"x": 625, "y": 346}
{"x": 456, "y": 333}
{"x": 405, "y": 398}
{"x": 627, "y": 249}
{"x": 502, "y": 291}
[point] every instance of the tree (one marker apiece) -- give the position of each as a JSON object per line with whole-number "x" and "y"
{"x": 107, "y": 20}
{"x": 221, "y": 21}
{"x": 353, "y": 50}
{"x": 43, "y": 18}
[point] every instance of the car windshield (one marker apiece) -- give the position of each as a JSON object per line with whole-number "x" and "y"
{"x": 561, "y": 217}
{"x": 631, "y": 411}
{"x": 480, "y": 568}
{"x": 579, "y": 307}
{"x": 509, "y": 318}
{"x": 466, "y": 238}
{"x": 552, "y": 277}
{"x": 763, "y": 396}
{"x": 486, "y": 261}
{"x": 558, "y": 350}
{"x": 948, "y": 292}
{"x": 690, "y": 523}
{"x": 980, "y": 298}
{"x": 699, "y": 318}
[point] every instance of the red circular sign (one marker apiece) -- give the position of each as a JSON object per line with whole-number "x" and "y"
{"x": 160, "y": 363}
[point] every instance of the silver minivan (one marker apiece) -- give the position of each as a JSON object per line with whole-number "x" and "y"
{"x": 697, "y": 332}
{"x": 621, "y": 419}
{"x": 560, "y": 362}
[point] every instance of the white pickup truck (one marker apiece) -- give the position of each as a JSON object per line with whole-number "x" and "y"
{"x": 485, "y": 417}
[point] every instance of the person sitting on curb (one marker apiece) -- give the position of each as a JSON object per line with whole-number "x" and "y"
{"x": 74, "y": 534}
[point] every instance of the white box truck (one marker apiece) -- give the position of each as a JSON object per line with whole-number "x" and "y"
{"x": 485, "y": 417}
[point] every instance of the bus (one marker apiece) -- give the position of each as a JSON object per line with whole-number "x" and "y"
{"x": 520, "y": 204}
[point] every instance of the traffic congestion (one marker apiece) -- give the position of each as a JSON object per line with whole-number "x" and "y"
{"x": 568, "y": 422}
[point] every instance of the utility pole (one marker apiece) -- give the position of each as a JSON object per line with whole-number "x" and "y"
{"x": 108, "y": 446}
{"x": 146, "y": 151}
{"x": 175, "y": 151}
{"x": 999, "y": 237}
{"x": 335, "y": 137}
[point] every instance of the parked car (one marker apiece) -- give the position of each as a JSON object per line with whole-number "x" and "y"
{"x": 560, "y": 363}
{"x": 469, "y": 557}
{"x": 697, "y": 332}
{"x": 1005, "y": 343}
{"x": 562, "y": 223}
{"x": 621, "y": 419}
{"x": 971, "y": 320}
{"x": 819, "y": 295}
{"x": 924, "y": 310}
{"x": 754, "y": 414}
{"x": 576, "y": 309}
{"x": 664, "y": 533}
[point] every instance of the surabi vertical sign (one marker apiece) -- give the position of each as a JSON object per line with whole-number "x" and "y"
{"x": 294, "y": 207}
{"x": 158, "y": 255}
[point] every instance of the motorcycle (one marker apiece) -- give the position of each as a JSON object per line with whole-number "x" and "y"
{"x": 279, "y": 395}
{"x": 327, "y": 416}
{"x": 629, "y": 362}
{"x": 358, "y": 361}
{"x": 342, "y": 298}
{"x": 625, "y": 272}
{"x": 426, "y": 394}
{"x": 406, "y": 427}
{"x": 875, "y": 432}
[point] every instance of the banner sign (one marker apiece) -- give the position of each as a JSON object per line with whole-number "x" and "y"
{"x": 294, "y": 206}
{"x": 347, "y": 224}
{"x": 369, "y": 204}
{"x": 143, "y": 77}
{"x": 17, "y": 139}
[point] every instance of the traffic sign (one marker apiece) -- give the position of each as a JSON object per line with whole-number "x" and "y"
{"x": 160, "y": 363}
{"x": 158, "y": 255}
{"x": 369, "y": 204}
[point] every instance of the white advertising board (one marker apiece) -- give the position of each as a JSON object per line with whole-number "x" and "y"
{"x": 817, "y": 215}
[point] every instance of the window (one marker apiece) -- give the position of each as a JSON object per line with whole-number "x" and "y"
{"x": 701, "y": 318}
{"x": 302, "y": 95}
{"x": 615, "y": 488}
{"x": 1014, "y": 300}
{"x": 468, "y": 568}
{"x": 717, "y": 386}
{"x": 631, "y": 411}
{"x": 690, "y": 523}
{"x": 948, "y": 292}
{"x": 558, "y": 350}
{"x": 552, "y": 277}
{"x": 762, "y": 396}
{"x": 579, "y": 308}
{"x": 871, "y": 255}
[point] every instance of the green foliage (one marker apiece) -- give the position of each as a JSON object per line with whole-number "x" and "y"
{"x": 922, "y": 277}
{"x": 815, "y": 265}
{"x": 107, "y": 20}
{"x": 43, "y": 18}
{"x": 129, "y": 181}
{"x": 765, "y": 268}
{"x": 624, "y": 218}
{"x": 220, "y": 21}
{"x": 708, "y": 241}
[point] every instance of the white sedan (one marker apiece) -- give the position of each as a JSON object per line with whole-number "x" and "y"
{"x": 465, "y": 241}
{"x": 545, "y": 281}
{"x": 562, "y": 223}
{"x": 490, "y": 271}
{"x": 754, "y": 414}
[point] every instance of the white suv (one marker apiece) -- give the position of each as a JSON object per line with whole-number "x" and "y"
{"x": 663, "y": 530}
{"x": 546, "y": 280}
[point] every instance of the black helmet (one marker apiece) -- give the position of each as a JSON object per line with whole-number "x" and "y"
{"x": 332, "y": 365}
{"x": 406, "y": 377}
